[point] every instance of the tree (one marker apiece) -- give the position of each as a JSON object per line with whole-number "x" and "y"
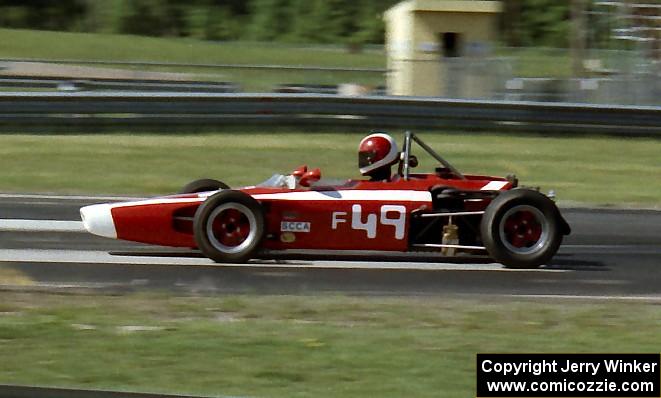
{"x": 303, "y": 25}
{"x": 270, "y": 19}
{"x": 545, "y": 22}
{"x": 173, "y": 16}
{"x": 371, "y": 28}
{"x": 141, "y": 18}
{"x": 43, "y": 14}
{"x": 341, "y": 19}
{"x": 511, "y": 22}
{"x": 524, "y": 22}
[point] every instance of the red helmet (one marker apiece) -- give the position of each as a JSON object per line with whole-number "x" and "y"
{"x": 376, "y": 151}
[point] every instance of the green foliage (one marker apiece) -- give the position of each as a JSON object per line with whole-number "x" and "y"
{"x": 155, "y": 18}
{"x": 544, "y": 22}
{"x": 303, "y": 21}
{"x": 320, "y": 21}
{"x": 303, "y": 27}
{"x": 43, "y": 14}
{"x": 270, "y": 19}
{"x": 220, "y": 24}
{"x": 524, "y": 22}
{"x": 370, "y": 23}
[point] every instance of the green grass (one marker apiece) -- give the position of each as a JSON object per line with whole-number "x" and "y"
{"x": 112, "y": 47}
{"x": 293, "y": 346}
{"x": 590, "y": 170}
{"x": 16, "y": 43}
{"x": 539, "y": 62}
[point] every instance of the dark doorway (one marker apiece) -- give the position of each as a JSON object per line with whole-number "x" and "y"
{"x": 450, "y": 44}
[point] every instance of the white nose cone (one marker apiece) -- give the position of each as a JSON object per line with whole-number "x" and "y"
{"x": 97, "y": 219}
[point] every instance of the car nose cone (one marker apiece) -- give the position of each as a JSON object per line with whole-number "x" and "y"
{"x": 97, "y": 219}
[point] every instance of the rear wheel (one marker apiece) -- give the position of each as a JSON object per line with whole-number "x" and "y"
{"x": 229, "y": 227}
{"x": 203, "y": 185}
{"x": 520, "y": 229}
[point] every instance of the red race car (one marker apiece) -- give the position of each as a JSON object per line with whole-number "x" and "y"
{"x": 445, "y": 212}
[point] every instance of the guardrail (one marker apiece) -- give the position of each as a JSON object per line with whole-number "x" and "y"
{"x": 276, "y": 67}
{"x": 335, "y": 89}
{"x": 164, "y": 110}
{"x": 69, "y": 84}
{"x": 87, "y": 84}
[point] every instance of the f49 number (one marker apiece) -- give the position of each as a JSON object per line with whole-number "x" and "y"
{"x": 389, "y": 215}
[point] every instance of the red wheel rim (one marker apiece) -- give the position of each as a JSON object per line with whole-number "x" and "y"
{"x": 231, "y": 228}
{"x": 524, "y": 229}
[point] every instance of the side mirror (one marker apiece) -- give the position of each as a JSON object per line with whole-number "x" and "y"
{"x": 299, "y": 171}
{"x": 310, "y": 177}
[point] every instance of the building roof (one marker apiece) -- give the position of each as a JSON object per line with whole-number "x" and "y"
{"x": 447, "y": 6}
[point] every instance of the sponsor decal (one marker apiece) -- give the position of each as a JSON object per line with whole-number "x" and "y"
{"x": 294, "y": 226}
{"x": 287, "y": 237}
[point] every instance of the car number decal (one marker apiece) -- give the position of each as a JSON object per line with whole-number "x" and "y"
{"x": 385, "y": 217}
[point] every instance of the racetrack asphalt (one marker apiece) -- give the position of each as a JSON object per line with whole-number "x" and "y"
{"x": 610, "y": 254}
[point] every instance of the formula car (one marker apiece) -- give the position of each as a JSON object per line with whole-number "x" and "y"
{"x": 444, "y": 212}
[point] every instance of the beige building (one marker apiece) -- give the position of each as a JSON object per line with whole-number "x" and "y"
{"x": 430, "y": 42}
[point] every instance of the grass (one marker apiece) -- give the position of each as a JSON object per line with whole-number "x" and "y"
{"x": 590, "y": 170}
{"x": 292, "y": 346}
{"x": 539, "y": 62}
{"x": 19, "y": 43}
{"x": 22, "y": 44}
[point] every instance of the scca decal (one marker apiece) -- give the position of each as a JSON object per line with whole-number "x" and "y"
{"x": 294, "y": 226}
{"x": 369, "y": 225}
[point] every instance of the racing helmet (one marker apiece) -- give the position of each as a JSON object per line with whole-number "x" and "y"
{"x": 376, "y": 152}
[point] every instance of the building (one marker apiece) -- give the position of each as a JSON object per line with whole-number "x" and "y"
{"x": 436, "y": 47}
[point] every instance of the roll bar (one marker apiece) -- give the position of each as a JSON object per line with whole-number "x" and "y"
{"x": 409, "y": 137}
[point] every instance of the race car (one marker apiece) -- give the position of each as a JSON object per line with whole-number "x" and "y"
{"x": 444, "y": 212}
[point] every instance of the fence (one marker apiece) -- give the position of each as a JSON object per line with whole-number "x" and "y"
{"x": 529, "y": 74}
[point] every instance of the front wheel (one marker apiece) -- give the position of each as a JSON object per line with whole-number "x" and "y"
{"x": 520, "y": 229}
{"x": 229, "y": 227}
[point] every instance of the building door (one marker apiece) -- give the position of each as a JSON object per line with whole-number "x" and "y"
{"x": 451, "y": 64}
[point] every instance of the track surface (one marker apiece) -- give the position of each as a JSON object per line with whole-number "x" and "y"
{"x": 611, "y": 253}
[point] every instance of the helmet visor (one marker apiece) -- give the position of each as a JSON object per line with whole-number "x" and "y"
{"x": 366, "y": 158}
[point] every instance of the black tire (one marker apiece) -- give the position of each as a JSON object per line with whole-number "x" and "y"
{"x": 219, "y": 227}
{"x": 203, "y": 185}
{"x": 521, "y": 229}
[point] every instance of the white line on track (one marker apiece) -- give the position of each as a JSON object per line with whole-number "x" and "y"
{"x": 66, "y": 197}
{"x": 611, "y": 249}
{"x": 19, "y": 225}
{"x": 102, "y": 257}
{"x": 606, "y": 246}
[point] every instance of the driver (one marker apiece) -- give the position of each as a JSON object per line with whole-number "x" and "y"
{"x": 376, "y": 153}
